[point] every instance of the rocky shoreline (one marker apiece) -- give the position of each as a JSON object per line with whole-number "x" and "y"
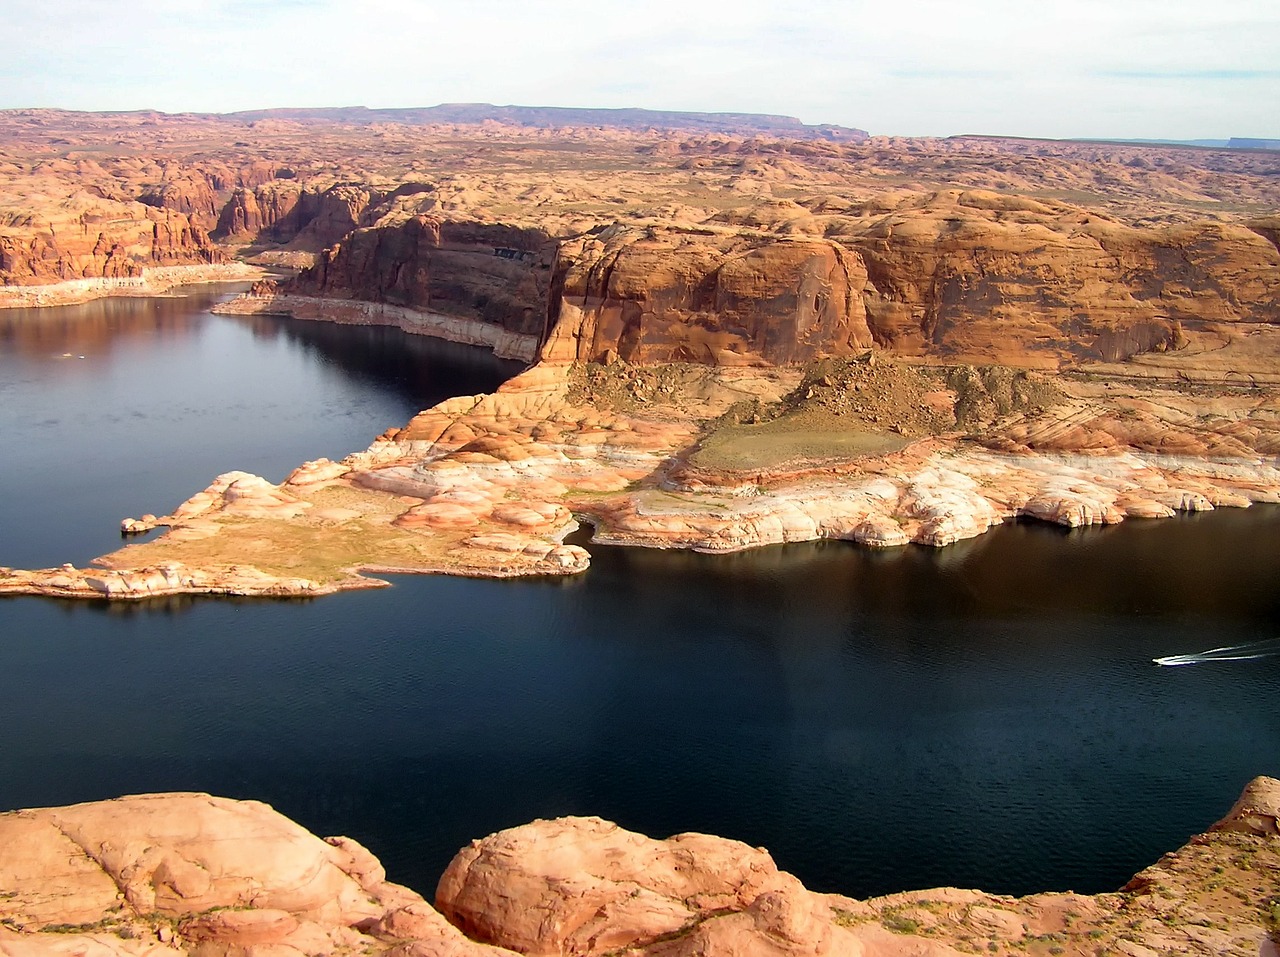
{"x": 154, "y": 281}
{"x": 472, "y": 332}
{"x": 172, "y": 874}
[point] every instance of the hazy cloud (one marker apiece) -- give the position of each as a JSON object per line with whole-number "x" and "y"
{"x": 1171, "y": 68}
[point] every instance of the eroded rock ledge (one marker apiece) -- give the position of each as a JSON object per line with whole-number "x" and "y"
{"x": 170, "y": 874}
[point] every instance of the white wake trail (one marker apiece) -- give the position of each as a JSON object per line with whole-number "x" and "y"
{"x": 1246, "y": 652}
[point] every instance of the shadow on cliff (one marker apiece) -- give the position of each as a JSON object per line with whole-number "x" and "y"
{"x": 419, "y": 369}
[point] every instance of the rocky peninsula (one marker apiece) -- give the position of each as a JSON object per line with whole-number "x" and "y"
{"x": 172, "y": 874}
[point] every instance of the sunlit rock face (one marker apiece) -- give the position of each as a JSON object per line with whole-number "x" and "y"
{"x": 175, "y": 874}
{"x": 669, "y": 296}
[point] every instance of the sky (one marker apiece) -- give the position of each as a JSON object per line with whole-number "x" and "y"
{"x": 1177, "y": 69}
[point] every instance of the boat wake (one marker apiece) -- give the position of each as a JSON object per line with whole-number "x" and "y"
{"x": 1246, "y": 652}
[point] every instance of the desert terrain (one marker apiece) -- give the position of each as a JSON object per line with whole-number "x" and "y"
{"x": 741, "y": 331}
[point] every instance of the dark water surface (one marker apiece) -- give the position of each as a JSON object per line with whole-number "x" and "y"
{"x": 982, "y": 715}
{"x": 123, "y": 406}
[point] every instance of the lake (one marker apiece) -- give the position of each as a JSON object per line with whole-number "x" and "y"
{"x": 986, "y": 714}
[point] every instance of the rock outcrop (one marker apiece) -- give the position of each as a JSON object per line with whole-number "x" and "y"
{"x": 996, "y": 278}
{"x": 662, "y": 295}
{"x": 958, "y": 276}
{"x": 584, "y": 885}
{"x": 89, "y": 238}
{"x": 490, "y": 273}
{"x": 765, "y": 243}
{"x": 172, "y": 874}
{"x": 252, "y": 212}
{"x": 286, "y": 212}
{"x": 964, "y": 276}
{"x": 193, "y": 874}
{"x": 190, "y": 192}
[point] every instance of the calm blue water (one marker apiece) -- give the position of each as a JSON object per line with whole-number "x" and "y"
{"x": 983, "y": 715}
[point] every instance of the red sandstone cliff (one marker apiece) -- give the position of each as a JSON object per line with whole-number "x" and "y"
{"x": 495, "y": 273}
{"x": 729, "y": 249}
{"x": 960, "y": 276}
{"x": 286, "y": 212}
{"x": 95, "y": 238}
{"x": 998, "y": 277}
{"x": 665, "y": 295}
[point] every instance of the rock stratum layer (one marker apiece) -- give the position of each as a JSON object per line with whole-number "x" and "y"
{"x": 955, "y": 275}
{"x": 148, "y": 282}
{"x": 958, "y": 275}
{"x": 170, "y": 874}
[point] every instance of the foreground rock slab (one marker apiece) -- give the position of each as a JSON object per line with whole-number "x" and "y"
{"x": 170, "y": 874}
{"x": 193, "y": 874}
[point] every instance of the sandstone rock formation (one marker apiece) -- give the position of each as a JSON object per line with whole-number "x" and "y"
{"x": 151, "y": 281}
{"x": 494, "y": 274}
{"x": 967, "y": 276}
{"x": 87, "y": 238}
{"x": 744, "y": 338}
{"x": 170, "y": 874}
{"x": 960, "y": 276}
{"x": 961, "y": 248}
{"x": 286, "y": 212}
{"x": 672, "y": 296}
{"x": 194, "y": 874}
{"x": 251, "y": 212}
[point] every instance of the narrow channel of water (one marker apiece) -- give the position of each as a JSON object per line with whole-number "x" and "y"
{"x": 982, "y": 715}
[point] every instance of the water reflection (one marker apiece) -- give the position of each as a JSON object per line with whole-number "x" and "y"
{"x": 422, "y": 370}
{"x": 1027, "y": 569}
{"x": 101, "y": 326}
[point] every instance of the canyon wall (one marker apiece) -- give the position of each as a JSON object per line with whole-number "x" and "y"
{"x": 493, "y": 273}
{"x": 675, "y": 243}
{"x": 957, "y": 277}
{"x": 983, "y": 276}
{"x": 286, "y": 212}
{"x": 65, "y": 220}
{"x": 86, "y": 241}
{"x": 664, "y": 295}
{"x": 965, "y": 277}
